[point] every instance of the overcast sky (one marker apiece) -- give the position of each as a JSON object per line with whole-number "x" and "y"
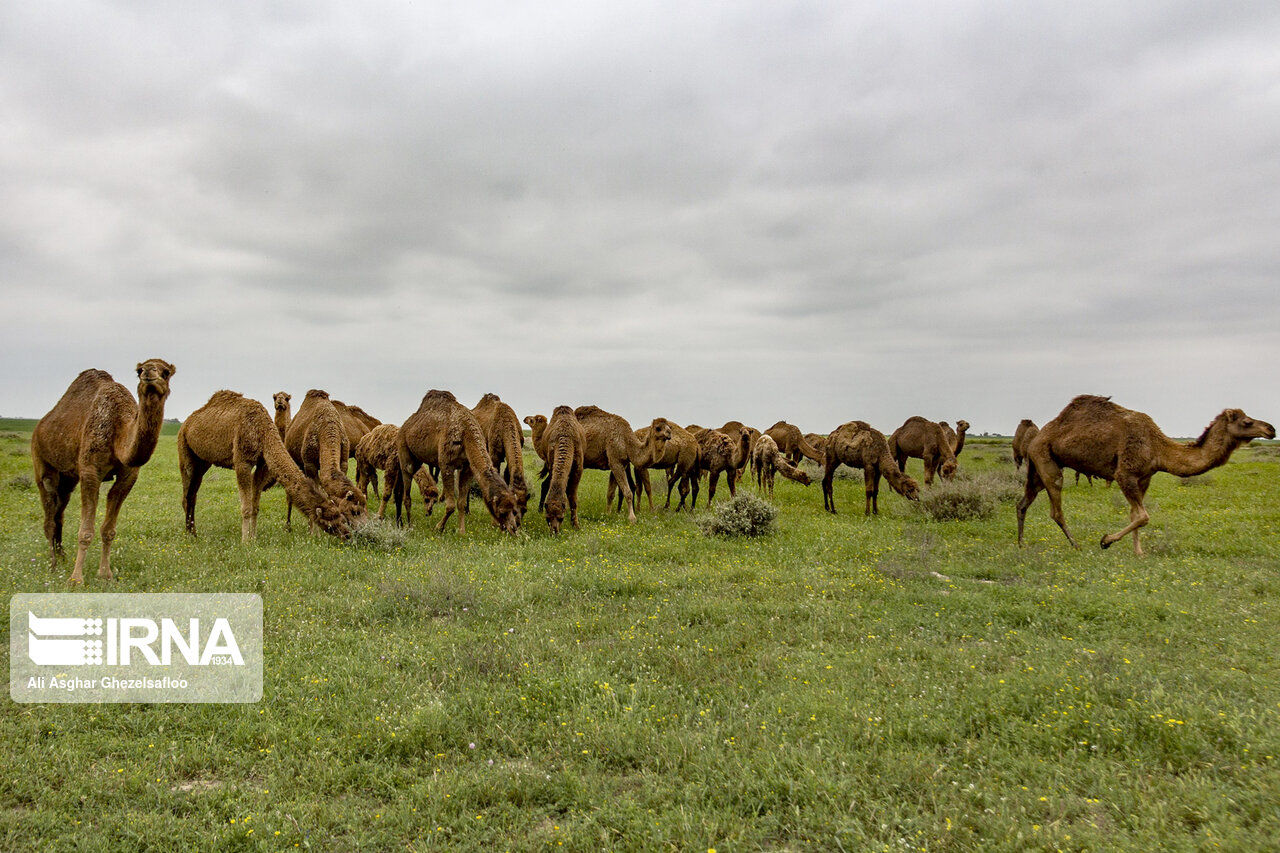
{"x": 705, "y": 211}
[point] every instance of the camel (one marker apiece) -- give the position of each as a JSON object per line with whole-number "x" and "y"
{"x": 734, "y": 429}
{"x": 96, "y": 432}
{"x": 379, "y": 451}
{"x": 232, "y": 431}
{"x": 767, "y": 460}
{"x": 283, "y": 415}
{"x": 566, "y": 442}
{"x": 445, "y": 433}
{"x": 955, "y": 437}
{"x": 858, "y": 445}
{"x": 792, "y": 443}
{"x": 718, "y": 452}
{"x": 1096, "y": 436}
{"x": 505, "y": 440}
{"x": 1022, "y": 436}
{"x": 924, "y": 440}
{"x": 676, "y": 451}
{"x": 537, "y": 431}
{"x": 356, "y": 422}
{"x": 611, "y": 446}
{"x": 319, "y": 445}
{"x": 653, "y": 441}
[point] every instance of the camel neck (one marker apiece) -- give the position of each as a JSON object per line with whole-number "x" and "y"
{"x": 1183, "y": 460}
{"x": 146, "y": 427}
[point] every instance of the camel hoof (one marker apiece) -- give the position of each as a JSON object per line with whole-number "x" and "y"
{"x": 1105, "y": 544}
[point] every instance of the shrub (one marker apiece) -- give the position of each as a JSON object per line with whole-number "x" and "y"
{"x": 21, "y": 482}
{"x": 969, "y": 496}
{"x": 743, "y": 515}
{"x": 379, "y": 534}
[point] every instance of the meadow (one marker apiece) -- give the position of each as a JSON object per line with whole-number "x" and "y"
{"x": 893, "y": 683}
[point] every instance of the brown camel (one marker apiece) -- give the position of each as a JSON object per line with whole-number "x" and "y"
{"x": 611, "y": 446}
{"x": 566, "y": 441}
{"x": 653, "y": 442}
{"x": 1096, "y": 436}
{"x": 718, "y": 452}
{"x": 734, "y": 429}
{"x": 858, "y": 445}
{"x": 792, "y": 443}
{"x": 1022, "y": 436}
{"x": 319, "y": 445}
{"x": 231, "y": 431}
{"x": 379, "y": 451}
{"x": 505, "y": 440}
{"x": 283, "y": 412}
{"x": 95, "y": 433}
{"x": 676, "y": 451}
{"x": 925, "y": 440}
{"x": 354, "y": 426}
{"x": 955, "y": 437}
{"x": 537, "y": 430}
{"x": 445, "y": 433}
{"x": 767, "y": 460}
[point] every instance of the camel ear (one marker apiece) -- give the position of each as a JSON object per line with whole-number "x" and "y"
{"x": 139, "y": 370}
{"x": 169, "y": 370}
{"x": 1232, "y": 415}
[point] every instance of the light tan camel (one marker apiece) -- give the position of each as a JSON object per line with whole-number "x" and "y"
{"x": 678, "y": 456}
{"x": 379, "y": 451}
{"x": 792, "y": 443}
{"x": 231, "y": 431}
{"x": 1096, "y": 436}
{"x": 858, "y": 445}
{"x": 283, "y": 411}
{"x": 925, "y": 440}
{"x": 566, "y": 442}
{"x": 505, "y": 440}
{"x": 767, "y": 460}
{"x": 318, "y": 444}
{"x": 653, "y": 442}
{"x": 96, "y": 433}
{"x": 611, "y": 446}
{"x": 445, "y": 433}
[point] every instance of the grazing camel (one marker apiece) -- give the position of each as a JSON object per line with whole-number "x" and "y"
{"x": 955, "y": 437}
{"x": 792, "y": 443}
{"x": 1022, "y": 436}
{"x": 817, "y": 442}
{"x": 445, "y": 433}
{"x": 858, "y": 445}
{"x": 283, "y": 416}
{"x": 232, "y": 431}
{"x": 1096, "y": 436}
{"x": 767, "y": 461}
{"x": 505, "y": 441}
{"x": 318, "y": 444}
{"x": 95, "y": 433}
{"x": 379, "y": 451}
{"x": 566, "y": 443}
{"x": 925, "y": 440}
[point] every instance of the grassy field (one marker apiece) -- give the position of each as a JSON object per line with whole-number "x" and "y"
{"x": 844, "y": 684}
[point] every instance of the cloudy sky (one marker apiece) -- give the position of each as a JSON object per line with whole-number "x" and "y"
{"x": 752, "y": 210}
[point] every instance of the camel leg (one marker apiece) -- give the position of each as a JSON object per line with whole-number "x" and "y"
{"x": 244, "y": 482}
{"x": 115, "y": 499}
{"x": 464, "y": 489}
{"x": 828, "y": 492}
{"x": 643, "y": 482}
{"x": 1032, "y": 489}
{"x": 52, "y": 501}
{"x": 1134, "y": 491}
{"x": 386, "y": 496}
{"x": 192, "y": 470}
{"x": 930, "y": 466}
{"x": 875, "y": 492}
{"x": 542, "y": 497}
{"x": 621, "y": 475}
{"x": 571, "y": 493}
{"x": 696, "y": 483}
{"x": 712, "y": 478}
{"x": 450, "y": 481}
{"x": 870, "y": 485}
{"x": 88, "y": 512}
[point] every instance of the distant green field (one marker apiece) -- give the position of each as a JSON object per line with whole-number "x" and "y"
{"x": 844, "y": 684}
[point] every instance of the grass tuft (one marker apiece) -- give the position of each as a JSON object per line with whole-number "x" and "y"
{"x": 379, "y": 534}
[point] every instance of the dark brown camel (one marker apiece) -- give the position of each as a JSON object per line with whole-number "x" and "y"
{"x": 858, "y": 445}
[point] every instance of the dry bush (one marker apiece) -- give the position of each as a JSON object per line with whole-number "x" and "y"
{"x": 970, "y": 495}
{"x": 743, "y": 515}
{"x": 378, "y": 534}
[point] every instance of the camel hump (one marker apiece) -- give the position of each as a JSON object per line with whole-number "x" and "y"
{"x": 558, "y": 410}
{"x": 587, "y": 411}
{"x": 778, "y": 425}
{"x": 316, "y": 392}
{"x": 490, "y": 398}
{"x": 225, "y": 396}
{"x": 435, "y": 395}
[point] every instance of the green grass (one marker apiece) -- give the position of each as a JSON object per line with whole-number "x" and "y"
{"x": 845, "y": 683}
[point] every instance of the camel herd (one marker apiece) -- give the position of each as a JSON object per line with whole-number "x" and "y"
{"x": 97, "y": 432}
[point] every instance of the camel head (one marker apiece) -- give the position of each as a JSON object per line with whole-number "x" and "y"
{"x": 153, "y": 377}
{"x": 430, "y": 491}
{"x": 332, "y": 519}
{"x": 1243, "y": 428}
{"x": 281, "y": 399}
{"x": 962, "y": 426}
{"x": 555, "y": 508}
{"x": 948, "y": 469}
{"x": 505, "y": 510}
{"x": 910, "y": 488}
{"x": 803, "y": 478}
{"x": 534, "y": 421}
